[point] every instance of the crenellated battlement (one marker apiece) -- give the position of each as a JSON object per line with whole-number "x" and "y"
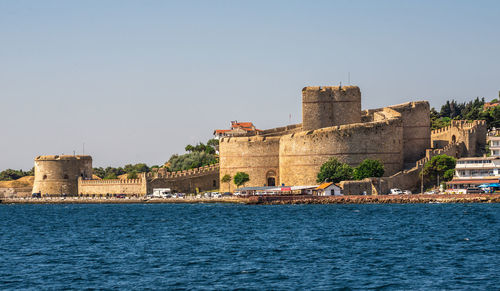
{"x": 162, "y": 173}
{"x": 449, "y": 149}
{"x": 460, "y": 124}
{"x": 110, "y": 181}
{"x": 329, "y": 106}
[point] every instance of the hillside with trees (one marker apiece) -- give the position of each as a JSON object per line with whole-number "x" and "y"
{"x": 197, "y": 156}
{"x": 471, "y": 110}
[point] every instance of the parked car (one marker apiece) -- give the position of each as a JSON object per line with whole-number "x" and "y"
{"x": 474, "y": 190}
{"x": 431, "y": 192}
{"x": 227, "y": 194}
{"x": 407, "y": 192}
{"x": 396, "y": 191}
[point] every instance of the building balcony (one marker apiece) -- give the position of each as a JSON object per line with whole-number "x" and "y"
{"x": 475, "y": 166}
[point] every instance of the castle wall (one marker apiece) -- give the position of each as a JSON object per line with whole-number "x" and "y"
{"x": 416, "y": 129}
{"x": 256, "y": 156}
{"x": 56, "y": 175}
{"x": 302, "y": 154}
{"x": 187, "y": 184}
{"x": 330, "y": 106}
{"x": 11, "y": 192}
{"x": 112, "y": 186}
{"x": 281, "y": 130}
{"x": 471, "y": 134}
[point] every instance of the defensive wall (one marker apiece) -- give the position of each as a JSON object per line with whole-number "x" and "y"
{"x": 13, "y": 192}
{"x": 113, "y": 186}
{"x": 302, "y": 154}
{"x": 333, "y": 125}
{"x": 189, "y": 181}
{"x": 58, "y": 174}
{"x": 257, "y": 156}
{"x": 329, "y": 106}
{"x": 471, "y": 133}
{"x": 468, "y": 141}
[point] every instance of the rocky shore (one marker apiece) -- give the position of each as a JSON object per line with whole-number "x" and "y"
{"x": 378, "y": 199}
{"x": 277, "y": 200}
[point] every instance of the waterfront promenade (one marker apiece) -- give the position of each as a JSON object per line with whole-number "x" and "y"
{"x": 276, "y": 200}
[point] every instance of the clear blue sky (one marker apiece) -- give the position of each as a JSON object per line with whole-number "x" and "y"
{"x": 138, "y": 80}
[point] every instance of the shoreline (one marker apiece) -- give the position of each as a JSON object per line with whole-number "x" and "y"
{"x": 277, "y": 200}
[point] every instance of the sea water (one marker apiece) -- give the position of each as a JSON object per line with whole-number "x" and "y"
{"x": 230, "y": 246}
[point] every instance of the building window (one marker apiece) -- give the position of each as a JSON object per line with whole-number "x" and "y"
{"x": 44, "y": 177}
{"x": 66, "y": 176}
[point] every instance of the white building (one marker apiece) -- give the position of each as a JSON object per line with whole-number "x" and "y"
{"x": 328, "y": 189}
{"x": 473, "y": 172}
{"x": 493, "y": 139}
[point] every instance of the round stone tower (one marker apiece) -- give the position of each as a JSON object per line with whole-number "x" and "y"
{"x": 57, "y": 175}
{"x": 330, "y": 106}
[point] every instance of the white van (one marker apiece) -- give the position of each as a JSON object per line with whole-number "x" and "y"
{"x": 396, "y": 191}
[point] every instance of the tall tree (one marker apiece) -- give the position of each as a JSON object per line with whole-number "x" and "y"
{"x": 227, "y": 179}
{"x": 334, "y": 171}
{"x": 435, "y": 169}
{"x": 240, "y": 178}
{"x": 369, "y": 168}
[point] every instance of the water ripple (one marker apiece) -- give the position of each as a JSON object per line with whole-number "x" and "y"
{"x": 212, "y": 246}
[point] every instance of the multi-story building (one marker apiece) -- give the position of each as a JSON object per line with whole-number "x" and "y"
{"x": 474, "y": 172}
{"x": 237, "y": 129}
{"x": 494, "y": 142}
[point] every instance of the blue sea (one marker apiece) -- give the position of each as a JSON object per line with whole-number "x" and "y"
{"x": 230, "y": 246}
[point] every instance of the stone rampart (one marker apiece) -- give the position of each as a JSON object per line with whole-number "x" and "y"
{"x": 416, "y": 129}
{"x": 57, "y": 175}
{"x": 281, "y": 130}
{"x": 257, "y": 156}
{"x": 113, "y": 186}
{"x": 330, "y": 106}
{"x": 15, "y": 192}
{"x": 189, "y": 181}
{"x": 471, "y": 134}
{"x": 302, "y": 154}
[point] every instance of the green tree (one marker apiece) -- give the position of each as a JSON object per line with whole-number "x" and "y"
{"x": 334, "y": 171}
{"x": 227, "y": 179}
{"x": 213, "y": 142}
{"x": 141, "y": 168}
{"x": 99, "y": 172}
{"x": 369, "y": 168}
{"x": 240, "y": 178}
{"x": 191, "y": 160}
{"x": 10, "y": 174}
{"x": 437, "y": 167}
{"x": 189, "y": 148}
{"x": 448, "y": 175}
{"x": 132, "y": 175}
{"x": 110, "y": 176}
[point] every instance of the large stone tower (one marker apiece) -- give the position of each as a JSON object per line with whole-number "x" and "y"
{"x": 330, "y": 106}
{"x": 57, "y": 175}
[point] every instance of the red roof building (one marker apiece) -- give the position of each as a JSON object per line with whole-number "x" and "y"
{"x": 237, "y": 129}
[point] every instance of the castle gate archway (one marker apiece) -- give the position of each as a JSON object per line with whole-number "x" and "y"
{"x": 271, "y": 178}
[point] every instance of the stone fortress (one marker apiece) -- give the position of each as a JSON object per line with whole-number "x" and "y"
{"x": 333, "y": 125}
{"x": 57, "y": 175}
{"x": 72, "y": 176}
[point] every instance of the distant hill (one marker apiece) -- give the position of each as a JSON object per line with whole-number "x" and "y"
{"x": 26, "y": 181}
